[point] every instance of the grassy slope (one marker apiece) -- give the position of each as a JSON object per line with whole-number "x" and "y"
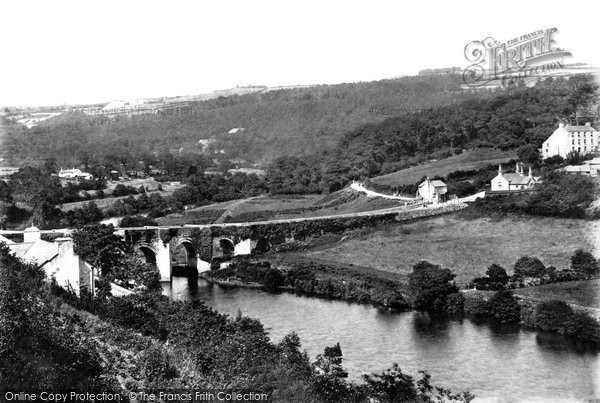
{"x": 465, "y": 161}
{"x": 288, "y": 206}
{"x": 582, "y": 293}
{"x": 467, "y": 247}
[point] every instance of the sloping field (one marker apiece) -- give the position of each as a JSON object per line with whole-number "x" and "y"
{"x": 467, "y": 247}
{"x": 466, "y": 161}
{"x": 585, "y": 293}
{"x": 281, "y": 207}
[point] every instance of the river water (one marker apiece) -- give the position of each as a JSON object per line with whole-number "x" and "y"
{"x": 496, "y": 363}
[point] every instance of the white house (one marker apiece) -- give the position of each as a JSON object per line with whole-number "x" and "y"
{"x": 510, "y": 182}
{"x": 583, "y": 139}
{"x": 433, "y": 191}
{"x": 74, "y": 173}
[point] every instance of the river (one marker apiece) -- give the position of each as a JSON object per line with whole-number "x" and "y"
{"x": 496, "y": 363}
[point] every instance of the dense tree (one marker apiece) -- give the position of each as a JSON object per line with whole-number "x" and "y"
{"x": 429, "y": 286}
{"x": 585, "y": 263}
{"x": 504, "y": 307}
{"x": 529, "y": 267}
{"x": 497, "y": 274}
{"x": 529, "y": 153}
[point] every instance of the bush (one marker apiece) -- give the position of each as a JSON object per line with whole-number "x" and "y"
{"x": 557, "y": 316}
{"x": 585, "y": 263}
{"x": 553, "y": 316}
{"x": 137, "y": 221}
{"x": 529, "y": 267}
{"x": 455, "y": 304}
{"x": 504, "y": 307}
{"x": 477, "y": 307}
{"x": 429, "y": 286}
{"x": 497, "y": 275}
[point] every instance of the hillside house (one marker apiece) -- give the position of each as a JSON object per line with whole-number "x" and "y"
{"x": 74, "y": 173}
{"x": 583, "y": 139}
{"x": 433, "y": 191}
{"x": 588, "y": 168}
{"x": 510, "y": 182}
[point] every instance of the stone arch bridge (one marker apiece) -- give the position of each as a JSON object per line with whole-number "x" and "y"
{"x": 197, "y": 247}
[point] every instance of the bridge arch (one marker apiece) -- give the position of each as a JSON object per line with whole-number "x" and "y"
{"x": 262, "y": 246}
{"x": 184, "y": 254}
{"x": 226, "y": 247}
{"x": 146, "y": 253}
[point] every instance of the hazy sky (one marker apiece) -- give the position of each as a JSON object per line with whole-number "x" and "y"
{"x": 56, "y": 52}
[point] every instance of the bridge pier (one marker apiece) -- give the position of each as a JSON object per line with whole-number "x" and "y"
{"x": 163, "y": 259}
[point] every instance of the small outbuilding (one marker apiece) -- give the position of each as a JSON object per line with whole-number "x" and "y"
{"x": 433, "y": 191}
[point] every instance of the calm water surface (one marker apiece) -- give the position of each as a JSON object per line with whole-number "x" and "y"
{"x": 495, "y": 363}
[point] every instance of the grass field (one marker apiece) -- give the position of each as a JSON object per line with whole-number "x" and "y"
{"x": 467, "y": 247}
{"x": 466, "y": 161}
{"x": 581, "y": 293}
{"x": 295, "y": 206}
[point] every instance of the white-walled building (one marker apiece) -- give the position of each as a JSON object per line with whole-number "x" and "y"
{"x": 566, "y": 138}
{"x": 74, "y": 174}
{"x": 433, "y": 191}
{"x": 514, "y": 181}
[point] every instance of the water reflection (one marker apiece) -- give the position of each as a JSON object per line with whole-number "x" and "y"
{"x": 488, "y": 360}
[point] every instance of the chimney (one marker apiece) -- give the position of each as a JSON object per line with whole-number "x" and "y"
{"x": 517, "y": 168}
{"x": 499, "y": 169}
{"x": 530, "y": 171}
{"x": 588, "y": 124}
{"x": 561, "y": 124}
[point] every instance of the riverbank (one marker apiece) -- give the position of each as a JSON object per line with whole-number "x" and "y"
{"x": 355, "y": 285}
{"x": 314, "y": 279}
{"x": 496, "y": 362}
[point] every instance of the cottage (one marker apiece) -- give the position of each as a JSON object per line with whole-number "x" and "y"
{"x": 510, "y": 182}
{"x": 588, "y": 168}
{"x": 582, "y": 139}
{"x": 433, "y": 191}
{"x": 74, "y": 173}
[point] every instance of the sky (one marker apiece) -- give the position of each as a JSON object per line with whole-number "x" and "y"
{"x": 75, "y": 52}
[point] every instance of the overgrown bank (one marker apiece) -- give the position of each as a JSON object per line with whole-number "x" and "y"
{"x": 316, "y": 279}
{"x": 429, "y": 288}
{"x": 148, "y": 342}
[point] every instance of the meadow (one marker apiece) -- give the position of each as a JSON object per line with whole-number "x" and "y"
{"x": 466, "y": 246}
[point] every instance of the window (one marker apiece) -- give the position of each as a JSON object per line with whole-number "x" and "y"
{"x": 572, "y": 142}
{"x": 499, "y": 184}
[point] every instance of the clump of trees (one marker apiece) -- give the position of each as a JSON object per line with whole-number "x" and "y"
{"x": 532, "y": 271}
{"x": 557, "y": 316}
{"x": 432, "y": 289}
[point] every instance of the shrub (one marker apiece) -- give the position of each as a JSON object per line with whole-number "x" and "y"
{"x": 504, "y": 307}
{"x": 455, "y": 304}
{"x": 584, "y": 262}
{"x": 476, "y": 306}
{"x": 157, "y": 367}
{"x": 429, "y": 286}
{"x": 497, "y": 275}
{"x": 529, "y": 267}
{"x": 137, "y": 221}
{"x": 553, "y": 316}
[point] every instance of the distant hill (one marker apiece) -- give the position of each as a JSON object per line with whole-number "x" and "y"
{"x": 290, "y": 121}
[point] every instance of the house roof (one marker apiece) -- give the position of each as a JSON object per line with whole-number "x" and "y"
{"x": 516, "y": 179}
{"x": 435, "y": 183}
{"x": 570, "y": 128}
{"x": 38, "y": 252}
